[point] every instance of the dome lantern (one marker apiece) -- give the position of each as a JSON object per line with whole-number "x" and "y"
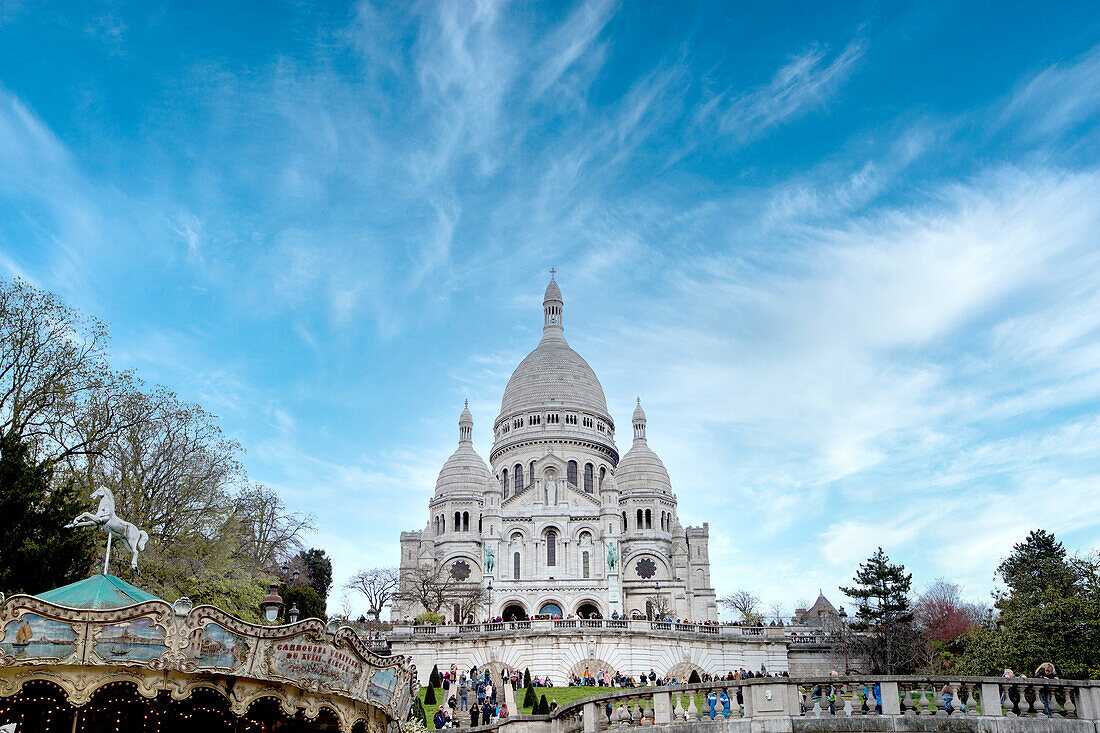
{"x": 552, "y": 306}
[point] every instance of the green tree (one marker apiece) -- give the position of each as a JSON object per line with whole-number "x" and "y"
{"x": 318, "y": 567}
{"x": 544, "y": 707}
{"x": 418, "y": 711}
{"x": 1050, "y": 612}
{"x": 310, "y": 605}
{"x": 890, "y": 643}
{"x": 1036, "y": 568}
{"x": 434, "y": 678}
{"x": 693, "y": 678}
{"x": 429, "y": 696}
{"x": 526, "y": 676}
{"x": 530, "y": 700}
{"x": 38, "y": 552}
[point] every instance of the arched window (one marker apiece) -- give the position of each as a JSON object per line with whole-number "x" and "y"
{"x": 571, "y": 472}
{"x": 518, "y": 471}
{"x": 442, "y": 523}
{"x": 551, "y": 548}
{"x": 531, "y": 475}
{"x": 479, "y": 518}
{"x": 504, "y": 481}
{"x": 584, "y": 563}
{"x": 515, "y": 566}
{"x": 458, "y": 521}
{"x": 641, "y": 522}
{"x": 466, "y": 521}
{"x": 588, "y": 478}
{"x": 648, "y": 519}
{"x": 603, "y": 475}
{"x": 624, "y": 521}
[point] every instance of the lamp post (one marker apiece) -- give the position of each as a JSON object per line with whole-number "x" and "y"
{"x": 844, "y": 637}
{"x": 490, "y": 589}
{"x": 272, "y": 604}
{"x": 292, "y": 613}
{"x": 657, "y": 607}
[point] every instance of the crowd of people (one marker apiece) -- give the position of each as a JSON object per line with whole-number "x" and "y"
{"x": 478, "y": 693}
{"x": 610, "y": 678}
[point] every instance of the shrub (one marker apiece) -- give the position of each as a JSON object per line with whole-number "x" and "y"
{"x": 429, "y": 618}
{"x": 434, "y": 679}
{"x": 527, "y": 677}
{"x": 418, "y": 711}
{"x": 530, "y": 700}
{"x": 544, "y": 707}
{"x": 429, "y": 696}
{"x": 693, "y": 678}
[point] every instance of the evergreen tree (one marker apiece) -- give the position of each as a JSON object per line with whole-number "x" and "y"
{"x": 881, "y": 591}
{"x": 544, "y": 707}
{"x": 1036, "y": 566}
{"x": 527, "y": 677}
{"x": 530, "y": 700}
{"x": 434, "y": 680}
{"x": 310, "y": 605}
{"x": 693, "y": 678}
{"x": 418, "y": 711}
{"x": 429, "y": 695}
{"x": 38, "y": 552}
{"x": 319, "y": 569}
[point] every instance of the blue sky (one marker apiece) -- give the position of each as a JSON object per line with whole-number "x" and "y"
{"x": 846, "y": 253}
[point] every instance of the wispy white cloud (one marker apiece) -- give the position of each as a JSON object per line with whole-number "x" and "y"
{"x": 803, "y": 84}
{"x": 1060, "y": 96}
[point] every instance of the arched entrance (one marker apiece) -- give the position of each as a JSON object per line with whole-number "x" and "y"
{"x": 588, "y": 609}
{"x": 514, "y": 612}
{"x": 551, "y": 608}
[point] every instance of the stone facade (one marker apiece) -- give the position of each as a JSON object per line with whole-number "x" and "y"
{"x": 568, "y": 527}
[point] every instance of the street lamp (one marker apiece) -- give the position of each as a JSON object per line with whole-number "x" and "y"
{"x": 272, "y": 604}
{"x": 657, "y": 609}
{"x": 490, "y": 589}
{"x": 844, "y": 637}
{"x": 292, "y": 612}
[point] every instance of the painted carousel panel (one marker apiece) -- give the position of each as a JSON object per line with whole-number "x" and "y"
{"x": 300, "y": 659}
{"x": 35, "y": 637}
{"x": 219, "y": 648}
{"x": 137, "y": 640}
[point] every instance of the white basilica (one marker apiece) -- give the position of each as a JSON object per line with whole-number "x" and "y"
{"x": 559, "y": 524}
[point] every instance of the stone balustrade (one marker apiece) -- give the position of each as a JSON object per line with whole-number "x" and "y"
{"x": 803, "y": 635}
{"x": 858, "y": 703}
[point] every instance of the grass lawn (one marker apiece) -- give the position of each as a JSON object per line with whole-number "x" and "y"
{"x": 564, "y": 695}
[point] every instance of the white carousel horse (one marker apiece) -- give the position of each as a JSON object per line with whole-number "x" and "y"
{"x": 132, "y": 538}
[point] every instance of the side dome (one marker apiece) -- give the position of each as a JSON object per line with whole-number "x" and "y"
{"x": 464, "y": 471}
{"x": 553, "y": 373}
{"x": 640, "y": 469}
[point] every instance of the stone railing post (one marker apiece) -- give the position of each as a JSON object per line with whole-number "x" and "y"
{"x": 591, "y": 722}
{"x": 1088, "y": 702}
{"x": 772, "y": 699}
{"x": 891, "y": 702}
{"x": 991, "y": 700}
{"x": 662, "y": 707}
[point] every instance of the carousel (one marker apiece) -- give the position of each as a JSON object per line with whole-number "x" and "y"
{"x": 104, "y": 656}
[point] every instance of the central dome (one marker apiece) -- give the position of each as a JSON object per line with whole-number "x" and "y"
{"x": 553, "y": 374}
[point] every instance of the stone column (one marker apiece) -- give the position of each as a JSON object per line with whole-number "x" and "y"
{"x": 662, "y": 707}
{"x": 591, "y": 722}
{"x": 891, "y": 703}
{"x": 991, "y": 700}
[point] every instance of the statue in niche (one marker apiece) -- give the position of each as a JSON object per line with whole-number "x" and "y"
{"x": 612, "y": 556}
{"x": 551, "y": 491}
{"x": 490, "y": 559}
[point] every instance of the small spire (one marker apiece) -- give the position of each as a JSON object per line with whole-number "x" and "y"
{"x": 466, "y": 425}
{"x": 552, "y": 307}
{"x": 639, "y": 421}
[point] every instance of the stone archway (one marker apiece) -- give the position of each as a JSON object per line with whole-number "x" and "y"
{"x": 587, "y": 608}
{"x": 593, "y": 665}
{"x": 683, "y": 670}
{"x": 514, "y": 611}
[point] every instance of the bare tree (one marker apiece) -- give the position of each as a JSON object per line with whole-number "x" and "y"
{"x": 942, "y": 615}
{"x": 744, "y": 603}
{"x": 58, "y": 393}
{"x": 378, "y": 585}
{"x": 661, "y": 605}
{"x": 777, "y": 612}
{"x": 272, "y": 534}
{"x": 426, "y": 586}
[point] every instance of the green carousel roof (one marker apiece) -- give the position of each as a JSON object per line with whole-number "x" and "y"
{"x": 99, "y": 592}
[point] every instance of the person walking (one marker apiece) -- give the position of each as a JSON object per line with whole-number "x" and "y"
{"x": 475, "y": 714}
{"x": 463, "y": 693}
